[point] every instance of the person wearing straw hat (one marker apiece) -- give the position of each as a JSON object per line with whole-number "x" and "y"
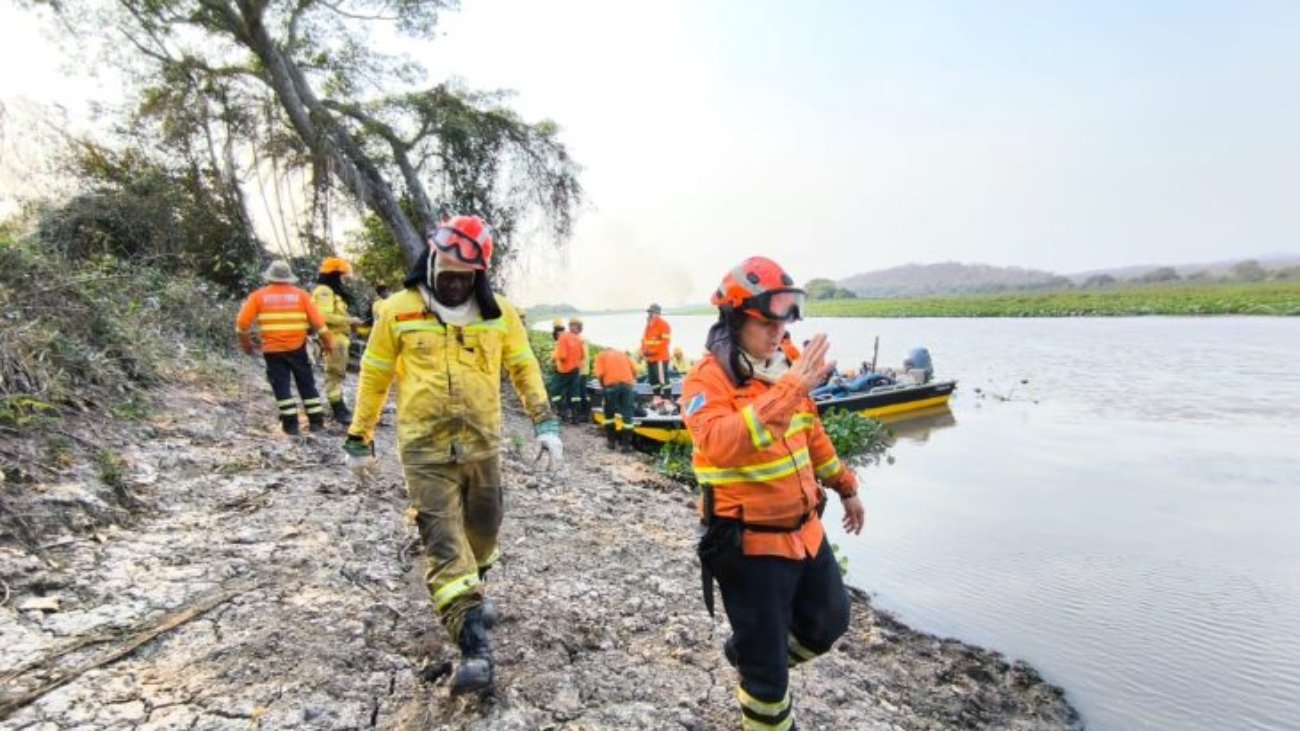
{"x": 284, "y": 315}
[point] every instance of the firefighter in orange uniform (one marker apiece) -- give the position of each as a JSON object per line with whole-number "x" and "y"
{"x": 762, "y": 459}
{"x": 284, "y": 315}
{"x": 568, "y": 377}
{"x": 655, "y": 347}
{"x": 617, "y": 375}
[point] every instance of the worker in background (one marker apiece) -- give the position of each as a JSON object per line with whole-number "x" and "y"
{"x": 679, "y": 364}
{"x": 377, "y": 306}
{"x": 284, "y": 315}
{"x": 788, "y": 348}
{"x": 656, "y": 346}
{"x": 333, "y": 299}
{"x": 446, "y": 338}
{"x": 557, "y": 328}
{"x": 584, "y": 369}
{"x": 639, "y": 361}
{"x": 762, "y": 457}
{"x": 567, "y": 358}
{"x": 617, "y": 376}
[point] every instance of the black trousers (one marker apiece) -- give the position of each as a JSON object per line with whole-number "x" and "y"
{"x": 620, "y": 400}
{"x": 657, "y": 377}
{"x": 284, "y": 370}
{"x": 782, "y": 613}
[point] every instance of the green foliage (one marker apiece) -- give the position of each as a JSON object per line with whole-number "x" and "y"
{"x": 21, "y": 411}
{"x": 858, "y": 440}
{"x": 110, "y": 466}
{"x": 674, "y": 462}
{"x": 140, "y": 209}
{"x": 825, "y": 289}
{"x": 379, "y": 258}
{"x": 1177, "y": 298}
{"x": 90, "y": 332}
{"x": 840, "y": 559}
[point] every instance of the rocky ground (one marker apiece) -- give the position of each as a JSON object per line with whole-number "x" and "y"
{"x": 194, "y": 569}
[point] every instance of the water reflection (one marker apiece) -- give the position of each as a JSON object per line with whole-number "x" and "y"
{"x": 917, "y": 426}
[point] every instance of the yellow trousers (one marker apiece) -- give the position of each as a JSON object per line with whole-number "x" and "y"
{"x": 336, "y": 368}
{"x": 458, "y": 512}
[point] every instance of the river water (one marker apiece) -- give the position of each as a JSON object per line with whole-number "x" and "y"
{"x": 1116, "y": 501}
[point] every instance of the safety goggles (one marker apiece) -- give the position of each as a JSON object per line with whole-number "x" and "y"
{"x": 450, "y": 241}
{"x": 785, "y": 305}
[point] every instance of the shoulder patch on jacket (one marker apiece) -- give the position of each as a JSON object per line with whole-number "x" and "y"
{"x": 404, "y": 316}
{"x": 695, "y": 404}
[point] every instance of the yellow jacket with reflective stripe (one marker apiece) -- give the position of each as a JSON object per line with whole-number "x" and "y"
{"x": 763, "y": 450}
{"x": 448, "y": 380}
{"x": 334, "y": 310}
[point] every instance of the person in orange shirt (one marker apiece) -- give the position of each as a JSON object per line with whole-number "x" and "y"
{"x": 762, "y": 457}
{"x": 284, "y": 314}
{"x": 655, "y": 346}
{"x": 617, "y": 375}
{"x": 568, "y": 378}
{"x": 788, "y": 348}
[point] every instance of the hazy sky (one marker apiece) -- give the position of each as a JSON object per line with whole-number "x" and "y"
{"x": 840, "y": 137}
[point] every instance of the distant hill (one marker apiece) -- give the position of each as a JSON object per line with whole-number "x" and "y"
{"x": 920, "y": 280}
{"x": 1214, "y": 268}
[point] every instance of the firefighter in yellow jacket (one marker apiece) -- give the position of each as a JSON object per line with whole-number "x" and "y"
{"x": 445, "y": 339}
{"x": 332, "y": 298}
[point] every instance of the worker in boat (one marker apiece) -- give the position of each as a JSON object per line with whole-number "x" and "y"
{"x": 656, "y": 347}
{"x": 446, "y": 339}
{"x": 788, "y": 348}
{"x": 639, "y": 361}
{"x": 617, "y": 376}
{"x": 679, "y": 364}
{"x": 761, "y": 457}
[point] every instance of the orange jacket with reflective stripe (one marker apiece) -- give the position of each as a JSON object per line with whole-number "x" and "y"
{"x": 762, "y": 449}
{"x": 284, "y": 315}
{"x": 568, "y": 352}
{"x": 613, "y": 367}
{"x": 655, "y": 341}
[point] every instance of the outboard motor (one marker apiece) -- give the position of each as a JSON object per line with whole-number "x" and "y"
{"x": 918, "y": 364}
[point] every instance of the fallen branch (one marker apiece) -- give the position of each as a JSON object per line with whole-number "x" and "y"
{"x": 142, "y": 636}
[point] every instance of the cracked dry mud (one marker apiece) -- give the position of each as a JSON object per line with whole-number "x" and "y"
{"x": 241, "y": 579}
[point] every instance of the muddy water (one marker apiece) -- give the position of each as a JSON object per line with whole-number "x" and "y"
{"x": 1124, "y": 518}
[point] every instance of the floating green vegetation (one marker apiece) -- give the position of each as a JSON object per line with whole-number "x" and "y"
{"x": 1264, "y": 298}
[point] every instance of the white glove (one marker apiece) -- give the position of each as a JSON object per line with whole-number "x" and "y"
{"x": 549, "y": 444}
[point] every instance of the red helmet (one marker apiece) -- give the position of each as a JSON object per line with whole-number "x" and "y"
{"x": 467, "y": 238}
{"x": 760, "y": 288}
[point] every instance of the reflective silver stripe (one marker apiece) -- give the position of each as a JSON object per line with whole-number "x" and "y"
{"x": 829, "y": 468}
{"x": 758, "y": 434}
{"x": 454, "y": 589}
{"x": 754, "y": 473}
{"x": 800, "y": 422}
{"x": 738, "y": 274}
{"x": 797, "y": 650}
{"x": 763, "y": 707}
{"x": 376, "y": 362}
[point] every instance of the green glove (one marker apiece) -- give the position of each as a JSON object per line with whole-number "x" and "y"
{"x": 357, "y": 446}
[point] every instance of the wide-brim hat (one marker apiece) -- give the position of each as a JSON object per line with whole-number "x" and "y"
{"x": 279, "y": 272}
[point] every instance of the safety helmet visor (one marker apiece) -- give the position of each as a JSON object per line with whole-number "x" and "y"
{"x": 450, "y": 241}
{"x": 784, "y": 305}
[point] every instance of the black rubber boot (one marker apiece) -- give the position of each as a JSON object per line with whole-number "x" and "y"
{"x": 611, "y": 436}
{"x": 315, "y": 422}
{"x": 625, "y": 441}
{"x": 290, "y": 425}
{"x": 474, "y": 673}
{"x": 490, "y": 614}
{"x": 341, "y": 413}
